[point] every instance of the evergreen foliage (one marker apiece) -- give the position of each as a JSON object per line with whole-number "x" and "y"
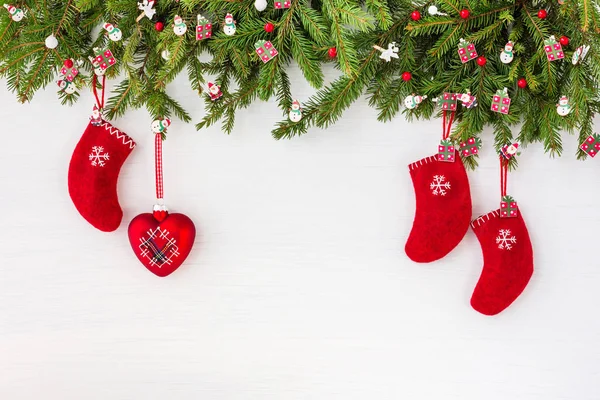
{"x": 303, "y": 35}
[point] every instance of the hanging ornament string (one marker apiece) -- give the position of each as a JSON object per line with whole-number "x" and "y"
{"x": 158, "y": 167}
{"x": 95, "y": 89}
{"x": 503, "y": 175}
{"x": 446, "y": 128}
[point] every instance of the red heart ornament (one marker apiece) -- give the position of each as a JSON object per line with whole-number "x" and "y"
{"x": 162, "y": 245}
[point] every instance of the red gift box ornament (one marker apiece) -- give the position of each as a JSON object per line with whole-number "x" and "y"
{"x": 591, "y": 146}
{"x": 553, "y": 49}
{"x": 466, "y": 51}
{"x": 69, "y": 73}
{"x": 282, "y": 4}
{"x": 470, "y": 147}
{"x": 448, "y": 101}
{"x": 265, "y": 50}
{"x": 104, "y": 59}
{"x": 508, "y": 207}
{"x": 446, "y": 151}
{"x": 501, "y": 101}
{"x": 203, "y": 28}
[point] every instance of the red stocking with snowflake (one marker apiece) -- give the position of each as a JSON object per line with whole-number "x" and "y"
{"x": 507, "y": 252}
{"x": 94, "y": 169}
{"x": 443, "y": 197}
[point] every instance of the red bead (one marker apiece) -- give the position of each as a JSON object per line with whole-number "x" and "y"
{"x": 464, "y": 13}
{"x": 269, "y": 27}
{"x": 332, "y": 52}
{"x": 68, "y": 63}
{"x": 522, "y": 83}
{"x": 159, "y": 26}
{"x": 481, "y": 61}
{"x": 406, "y": 76}
{"x": 542, "y": 14}
{"x": 564, "y": 40}
{"x": 415, "y": 15}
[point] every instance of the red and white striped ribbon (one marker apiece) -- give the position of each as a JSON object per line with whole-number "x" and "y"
{"x": 158, "y": 167}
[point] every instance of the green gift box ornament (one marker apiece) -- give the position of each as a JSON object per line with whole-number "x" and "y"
{"x": 508, "y": 207}
{"x": 265, "y": 50}
{"x": 501, "y": 101}
{"x": 446, "y": 151}
{"x": 553, "y": 49}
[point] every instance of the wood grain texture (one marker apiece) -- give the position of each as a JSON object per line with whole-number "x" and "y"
{"x": 298, "y": 287}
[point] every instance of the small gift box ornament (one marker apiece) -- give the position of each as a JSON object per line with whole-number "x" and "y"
{"x": 69, "y": 71}
{"x": 591, "y": 146}
{"x": 446, "y": 151}
{"x": 508, "y": 207}
{"x": 265, "y": 50}
{"x": 470, "y": 147}
{"x": 103, "y": 60}
{"x": 509, "y": 151}
{"x": 501, "y": 101}
{"x": 282, "y": 4}
{"x": 203, "y": 28}
{"x": 448, "y": 101}
{"x": 553, "y": 49}
{"x": 466, "y": 51}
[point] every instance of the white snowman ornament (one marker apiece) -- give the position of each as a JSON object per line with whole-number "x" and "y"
{"x": 160, "y": 125}
{"x": 229, "y": 28}
{"x": 180, "y": 27}
{"x": 412, "y": 101}
{"x": 563, "y": 108}
{"x": 15, "y": 13}
{"x": 114, "y": 34}
{"x": 66, "y": 86}
{"x": 295, "y": 114}
{"x": 507, "y": 54}
{"x": 260, "y": 5}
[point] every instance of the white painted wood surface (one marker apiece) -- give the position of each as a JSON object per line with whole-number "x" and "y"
{"x": 298, "y": 287}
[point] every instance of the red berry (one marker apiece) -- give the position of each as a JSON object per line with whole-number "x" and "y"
{"x": 522, "y": 83}
{"x": 481, "y": 61}
{"x": 68, "y": 63}
{"x": 464, "y": 13}
{"x": 269, "y": 27}
{"x": 159, "y": 26}
{"x": 564, "y": 40}
{"x": 332, "y": 52}
{"x": 415, "y": 15}
{"x": 406, "y": 76}
{"x": 542, "y": 14}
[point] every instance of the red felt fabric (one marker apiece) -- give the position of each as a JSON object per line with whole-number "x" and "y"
{"x": 506, "y": 271}
{"x": 93, "y": 180}
{"x": 442, "y": 219}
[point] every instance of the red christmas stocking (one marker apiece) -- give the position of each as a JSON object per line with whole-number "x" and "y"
{"x": 507, "y": 255}
{"x": 94, "y": 170}
{"x": 443, "y": 199}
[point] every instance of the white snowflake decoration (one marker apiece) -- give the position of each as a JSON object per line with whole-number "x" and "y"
{"x": 439, "y": 186}
{"x": 98, "y": 157}
{"x": 504, "y": 240}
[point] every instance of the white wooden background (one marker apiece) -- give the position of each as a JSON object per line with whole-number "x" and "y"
{"x": 298, "y": 287}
